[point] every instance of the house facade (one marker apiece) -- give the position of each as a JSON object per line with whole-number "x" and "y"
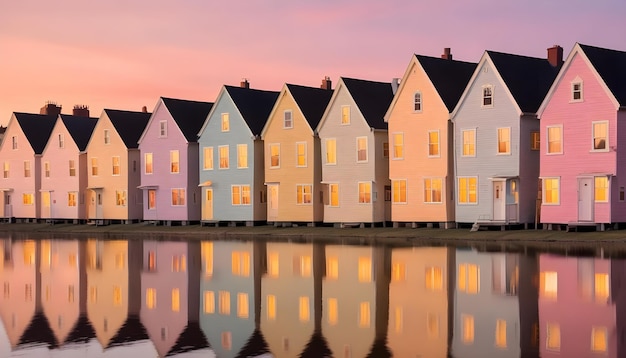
{"x": 231, "y": 156}
{"x": 421, "y": 140}
{"x": 169, "y": 161}
{"x": 582, "y": 178}
{"x": 495, "y": 136}
{"x": 353, "y": 137}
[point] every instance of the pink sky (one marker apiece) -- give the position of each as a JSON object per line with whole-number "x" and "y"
{"x": 124, "y": 54}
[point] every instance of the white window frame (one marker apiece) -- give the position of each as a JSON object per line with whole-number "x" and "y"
{"x": 219, "y": 153}
{"x": 72, "y": 167}
{"x": 358, "y": 189}
{"x": 177, "y": 154}
{"x": 560, "y": 127}
{"x": 240, "y": 149}
{"x": 393, "y": 192}
{"x": 577, "y": 81}
{"x": 305, "y": 155}
{"x": 358, "y": 149}
{"x": 182, "y": 198}
{"x": 593, "y": 136}
{"x": 346, "y": 115}
{"x": 241, "y": 188}
{"x": 72, "y": 199}
{"x": 46, "y": 169}
{"x": 121, "y": 194}
{"x": 535, "y": 140}
{"x": 14, "y": 142}
{"x": 94, "y": 173}
{"x": 430, "y": 155}
{"x": 163, "y": 129}
{"x": 458, "y": 191}
{"x": 107, "y": 137}
{"x": 473, "y": 144}
{"x": 330, "y": 195}
{"x": 287, "y": 122}
{"x": 145, "y": 163}
{"x": 484, "y": 96}
{"x": 208, "y": 160}
{"x": 431, "y": 201}
{"x": 606, "y": 189}
{"x": 225, "y": 122}
{"x": 544, "y": 190}
{"x": 300, "y": 194}
{"x": 394, "y": 146}
{"x": 61, "y": 140}
{"x": 498, "y": 130}
{"x": 27, "y": 171}
{"x": 274, "y": 145}
{"x": 119, "y": 166}
{"x": 417, "y": 102}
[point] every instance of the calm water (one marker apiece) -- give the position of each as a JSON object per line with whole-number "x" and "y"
{"x": 154, "y": 298}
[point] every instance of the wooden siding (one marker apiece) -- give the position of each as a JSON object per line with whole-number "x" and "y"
{"x": 416, "y": 164}
{"x": 578, "y": 158}
{"x": 618, "y": 207}
{"x": 528, "y": 174}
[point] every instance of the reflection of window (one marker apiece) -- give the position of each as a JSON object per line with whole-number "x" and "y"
{"x": 398, "y": 271}
{"x": 240, "y": 261}
{"x": 364, "y": 314}
{"x": 469, "y": 278}
{"x": 553, "y": 336}
{"x": 332, "y": 268}
{"x": 224, "y": 302}
{"x": 548, "y": 284}
{"x": 333, "y": 311}
{"x": 432, "y": 320}
{"x": 365, "y": 269}
{"x": 151, "y": 298}
{"x": 175, "y": 299}
{"x": 209, "y": 302}
{"x": 242, "y": 305}
{"x": 501, "y": 333}
{"x": 151, "y": 261}
{"x": 273, "y": 265}
{"x": 304, "y": 309}
{"x": 434, "y": 279}
{"x": 598, "y": 339}
{"x": 271, "y": 307}
{"x": 468, "y": 328}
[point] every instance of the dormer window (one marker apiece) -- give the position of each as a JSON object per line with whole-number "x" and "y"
{"x": 577, "y": 90}
{"x": 488, "y": 96}
{"x": 417, "y": 102}
{"x": 288, "y": 119}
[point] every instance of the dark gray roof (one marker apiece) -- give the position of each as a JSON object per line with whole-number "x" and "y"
{"x": 37, "y": 128}
{"x": 312, "y": 102}
{"x": 372, "y": 98}
{"x": 528, "y": 78}
{"x": 188, "y": 115}
{"x": 611, "y": 66}
{"x": 129, "y": 125}
{"x": 316, "y": 347}
{"x": 191, "y": 338}
{"x": 448, "y": 76}
{"x": 80, "y": 128}
{"x": 254, "y": 105}
{"x": 255, "y": 346}
{"x": 82, "y": 332}
{"x": 131, "y": 331}
{"x": 38, "y": 332}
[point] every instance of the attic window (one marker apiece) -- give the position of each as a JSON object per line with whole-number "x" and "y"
{"x": 577, "y": 90}
{"x": 288, "y": 119}
{"x": 107, "y": 137}
{"x": 61, "y": 141}
{"x": 14, "y": 142}
{"x": 488, "y": 96}
{"x": 163, "y": 129}
{"x": 417, "y": 102}
{"x": 345, "y": 115}
{"x": 225, "y": 122}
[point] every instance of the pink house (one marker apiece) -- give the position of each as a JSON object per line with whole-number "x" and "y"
{"x": 582, "y": 179}
{"x": 170, "y": 161}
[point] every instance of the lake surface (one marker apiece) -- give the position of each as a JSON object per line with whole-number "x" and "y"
{"x": 94, "y": 297}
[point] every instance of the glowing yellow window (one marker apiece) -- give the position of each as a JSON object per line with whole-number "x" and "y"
{"x": 601, "y": 186}
{"x": 553, "y": 336}
{"x": 224, "y": 307}
{"x": 304, "y": 309}
{"x": 151, "y": 298}
{"x": 332, "y": 268}
{"x": 548, "y": 285}
{"x": 501, "y": 333}
{"x": 364, "y": 314}
{"x": 175, "y": 300}
{"x": 242, "y": 305}
{"x": 365, "y": 269}
{"x": 468, "y": 328}
{"x": 209, "y": 302}
{"x": 398, "y": 271}
{"x": 432, "y": 320}
{"x": 434, "y": 279}
{"x": 598, "y": 339}
{"x": 272, "y": 264}
{"x": 271, "y": 307}
{"x": 333, "y": 311}
{"x": 602, "y": 288}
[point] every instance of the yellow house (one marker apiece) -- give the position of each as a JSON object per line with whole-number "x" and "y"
{"x": 292, "y": 155}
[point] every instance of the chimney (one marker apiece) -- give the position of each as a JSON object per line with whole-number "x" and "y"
{"x": 327, "y": 84}
{"x": 144, "y": 109}
{"x": 555, "y": 55}
{"x": 447, "y": 55}
{"x": 244, "y": 83}
{"x": 395, "y": 83}
{"x": 81, "y": 110}
{"x": 50, "y": 108}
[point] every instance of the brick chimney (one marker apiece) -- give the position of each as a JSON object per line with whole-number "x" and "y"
{"x": 327, "y": 84}
{"x": 555, "y": 55}
{"x": 244, "y": 83}
{"x": 50, "y": 108}
{"x": 144, "y": 109}
{"x": 447, "y": 55}
{"x": 80, "y": 110}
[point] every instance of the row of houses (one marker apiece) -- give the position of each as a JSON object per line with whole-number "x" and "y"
{"x": 508, "y": 140}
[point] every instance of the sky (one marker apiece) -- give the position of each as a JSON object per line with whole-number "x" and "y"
{"x": 125, "y": 54}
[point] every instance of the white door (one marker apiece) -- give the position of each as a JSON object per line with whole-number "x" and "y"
{"x": 272, "y": 202}
{"x": 499, "y": 200}
{"x": 99, "y": 209}
{"x": 207, "y": 207}
{"x": 585, "y": 199}
{"x": 45, "y": 201}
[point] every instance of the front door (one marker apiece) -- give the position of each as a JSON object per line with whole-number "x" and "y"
{"x": 45, "y": 201}
{"x": 99, "y": 209}
{"x": 207, "y": 206}
{"x": 272, "y": 202}
{"x": 499, "y": 200}
{"x": 585, "y": 199}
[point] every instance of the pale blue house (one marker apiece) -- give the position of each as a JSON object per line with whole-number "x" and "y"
{"x": 231, "y": 156}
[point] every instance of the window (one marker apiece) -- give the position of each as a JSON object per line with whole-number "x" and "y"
{"x": 174, "y": 161}
{"x": 151, "y": 298}
{"x": 107, "y": 137}
{"x": 504, "y": 140}
{"x": 469, "y": 143}
{"x": 301, "y": 153}
{"x": 551, "y": 192}
{"x": 287, "y": 119}
{"x": 209, "y": 302}
{"x": 535, "y": 140}
{"x": 601, "y": 287}
{"x": 434, "y": 279}
{"x": 364, "y": 314}
{"x": 398, "y": 191}
{"x": 240, "y": 194}
{"x": 432, "y": 190}
{"x": 178, "y": 197}
{"x": 500, "y": 333}
{"x": 548, "y": 285}
{"x": 365, "y": 269}
{"x": 361, "y": 149}
{"x": 331, "y": 151}
{"x": 469, "y": 278}
{"x": 304, "y": 194}
{"x": 271, "y": 307}
{"x": 398, "y": 271}
{"x": 240, "y": 263}
{"x": 117, "y": 296}
{"x": 116, "y": 165}
{"x": 148, "y": 163}
{"x": 273, "y": 264}
{"x": 208, "y": 158}
{"x": 433, "y": 143}
{"x": 577, "y": 91}
{"x": 467, "y": 190}
{"x": 553, "y": 336}
{"x": 27, "y": 169}
{"x": 94, "y": 166}
{"x": 223, "y": 151}
{"x": 6, "y": 169}
{"x": 70, "y": 293}
{"x": 14, "y": 142}
{"x": 163, "y": 129}
{"x": 598, "y": 339}
{"x": 175, "y": 299}
{"x": 468, "y": 328}
{"x": 207, "y": 257}
{"x": 225, "y": 122}
{"x": 398, "y": 145}
{"x": 93, "y": 294}
{"x": 386, "y": 150}
{"x": 242, "y": 155}
{"x": 151, "y": 261}
{"x": 304, "y": 309}
{"x": 28, "y": 198}
{"x": 601, "y": 189}
{"x": 487, "y": 96}
{"x": 432, "y": 322}
{"x": 227, "y": 340}
{"x": 600, "y": 136}
{"x": 61, "y": 140}
{"x": 71, "y": 198}
{"x": 514, "y": 191}
{"x": 365, "y": 192}
{"x": 555, "y": 140}
{"x": 224, "y": 302}
{"x": 72, "y": 166}
{"x": 151, "y": 199}
{"x": 302, "y": 265}
{"x": 120, "y": 197}
{"x": 345, "y": 115}
{"x": 332, "y": 268}
{"x": 242, "y": 305}
{"x": 333, "y": 311}
{"x": 334, "y": 194}
{"x": 46, "y": 169}
{"x": 274, "y": 155}
{"x": 417, "y": 102}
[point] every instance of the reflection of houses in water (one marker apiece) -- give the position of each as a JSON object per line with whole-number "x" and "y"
{"x": 230, "y": 296}
{"x": 577, "y": 312}
{"x": 170, "y": 295}
{"x": 420, "y": 304}
{"x": 355, "y": 297}
{"x": 495, "y": 313}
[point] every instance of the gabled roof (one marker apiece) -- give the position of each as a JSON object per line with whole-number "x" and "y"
{"x": 317, "y": 347}
{"x": 37, "y": 128}
{"x": 311, "y": 101}
{"x": 527, "y": 78}
{"x": 372, "y": 98}
{"x": 82, "y": 332}
{"x": 80, "y": 128}
{"x": 254, "y": 105}
{"x": 38, "y": 332}
{"x": 131, "y": 331}
{"x": 450, "y": 77}
{"x": 255, "y": 346}
{"x": 188, "y": 115}
{"x": 611, "y": 66}
{"x": 192, "y": 338}
{"x": 129, "y": 125}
